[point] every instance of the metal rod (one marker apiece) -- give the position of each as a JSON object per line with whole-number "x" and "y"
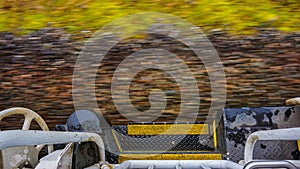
{"x": 270, "y": 164}
{"x": 14, "y": 138}
{"x": 191, "y": 164}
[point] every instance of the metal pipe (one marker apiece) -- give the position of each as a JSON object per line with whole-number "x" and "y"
{"x": 294, "y": 101}
{"x": 14, "y": 138}
{"x": 270, "y": 164}
{"x": 191, "y": 164}
{"x": 269, "y": 135}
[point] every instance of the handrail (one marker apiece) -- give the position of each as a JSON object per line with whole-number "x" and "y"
{"x": 191, "y": 164}
{"x": 270, "y": 164}
{"x": 14, "y": 138}
{"x": 269, "y": 135}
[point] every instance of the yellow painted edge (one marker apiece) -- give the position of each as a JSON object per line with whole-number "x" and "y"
{"x": 167, "y": 129}
{"x": 215, "y": 134}
{"x": 178, "y": 151}
{"x": 298, "y": 142}
{"x": 117, "y": 141}
{"x": 125, "y": 157}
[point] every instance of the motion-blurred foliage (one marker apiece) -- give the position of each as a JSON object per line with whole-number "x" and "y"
{"x": 236, "y": 16}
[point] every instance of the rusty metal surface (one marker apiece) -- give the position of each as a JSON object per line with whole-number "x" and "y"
{"x": 241, "y": 122}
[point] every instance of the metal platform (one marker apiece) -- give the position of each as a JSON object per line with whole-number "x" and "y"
{"x": 163, "y": 141}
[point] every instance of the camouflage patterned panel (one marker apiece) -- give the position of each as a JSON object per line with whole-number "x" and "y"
{"x": 241, "y": 122}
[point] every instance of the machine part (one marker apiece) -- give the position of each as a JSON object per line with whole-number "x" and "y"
{"x": 66, "y": 157}
{"x": 16, "y": 156}
{"x": 60, "y": 127}
{"x": 14, "y": 138}
{"x": 96, "y": 166}
{"x": 178, "y": 164}
{"x": 288, "y": 164}
{"x": 102, "y": 165}
{"x": 239, "y": 123}
{"x": 84, "y": 120}
{"x": 29, "y": 116}
{"x": 59, "y": 159}
{"x": 85, "y": 154}
{"x": 88, "y": 121}
{"x": 269, "y": 135}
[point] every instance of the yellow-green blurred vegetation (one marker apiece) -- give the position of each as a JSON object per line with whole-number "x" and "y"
{"x": 235, "y": 16}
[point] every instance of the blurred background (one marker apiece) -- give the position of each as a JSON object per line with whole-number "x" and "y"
{"x": 235, "y": 16}
{"x": 258, "y": 43}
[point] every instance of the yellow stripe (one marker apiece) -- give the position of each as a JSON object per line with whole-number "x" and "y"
{"x": 117, "y": 141}
{"x": 170, "y": 129}
{"x": 298, "y": 142}
{"x": 215, "y": 134}
{"x": 177, "y": 151}
{"x": 125, "y": 157}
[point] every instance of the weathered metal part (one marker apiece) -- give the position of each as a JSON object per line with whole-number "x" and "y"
{"x": 102, "y": 165}
{"x": 60, "y": 159}
{"x": 293, "y": 101}
{"x": 65, "y": 160}
{"x": 84, "y": 120}
{"x": 191, "y": 164}
{"x": 84, "y": 155}
{"x": 14, "y": 138}
{"x": 96, "y": 166}
{"x": 29, "y": 116}
{"x": 17, "y": 155}
{"x": 241, "y": 122}
{"x": 50, "y": 161}
{"x": 269, "y": 135}
{"x": 288, "y": 164}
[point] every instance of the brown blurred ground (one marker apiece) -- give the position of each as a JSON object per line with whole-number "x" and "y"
{"x": 36, "y": 72}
